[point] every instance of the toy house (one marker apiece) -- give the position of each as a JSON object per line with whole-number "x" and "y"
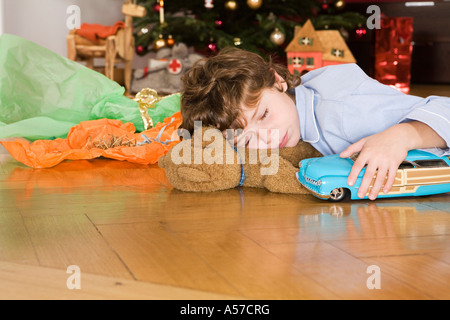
{"x": 311, "y": 49}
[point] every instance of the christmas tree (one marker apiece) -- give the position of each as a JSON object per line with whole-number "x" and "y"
{"x": 262, "y": 26}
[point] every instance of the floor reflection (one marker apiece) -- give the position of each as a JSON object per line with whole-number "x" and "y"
{"x": 374, "y": 220}
{"x": 71, "y": 175}
{"x": 125, "y": 190}
{"x": 117, "y": 190}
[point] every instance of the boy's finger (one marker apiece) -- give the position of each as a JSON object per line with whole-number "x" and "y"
{"x": 379, "y": 181}
{"x": 392, "y": 173}
{"x": 354, "y": 172}
{"x": 352, "y": 149}
{"x": 366, "y": 181}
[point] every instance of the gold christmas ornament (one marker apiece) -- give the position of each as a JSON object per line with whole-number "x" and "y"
{"x": 254, "y": 4}
{"x": 159, "y": 43}
{"x": 277, "y": 37}
{"x": 339, "y": 4}
{"x": 231, "y": 5}
{"x": 170, "y": 41}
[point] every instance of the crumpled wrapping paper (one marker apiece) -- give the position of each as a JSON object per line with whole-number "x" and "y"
{"x": 43, "y": 95}
{"x": 92, "y": 139}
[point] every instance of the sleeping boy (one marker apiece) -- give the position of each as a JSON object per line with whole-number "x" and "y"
{"x": 337, "y": 109}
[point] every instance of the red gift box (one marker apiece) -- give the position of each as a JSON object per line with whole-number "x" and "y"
{"x": 393, "y": 49}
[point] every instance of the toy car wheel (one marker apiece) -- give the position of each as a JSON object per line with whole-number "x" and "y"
{"x": 336, "y": 210}
{"x": 338, "y": 194}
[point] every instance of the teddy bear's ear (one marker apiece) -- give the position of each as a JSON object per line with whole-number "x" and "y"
{"x": 207, "y": 135}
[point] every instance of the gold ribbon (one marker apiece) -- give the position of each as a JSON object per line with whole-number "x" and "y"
{"x": 147, "y": 99}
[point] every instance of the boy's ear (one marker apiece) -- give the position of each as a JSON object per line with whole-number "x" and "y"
{"x": 281, "y": 83}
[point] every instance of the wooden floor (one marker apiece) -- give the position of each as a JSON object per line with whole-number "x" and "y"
{"x": 134, "y": 237}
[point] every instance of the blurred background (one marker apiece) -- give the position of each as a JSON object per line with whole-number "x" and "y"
{"x": 253, "y": 24}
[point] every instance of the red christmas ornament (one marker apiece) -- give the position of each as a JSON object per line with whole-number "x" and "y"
{"x": 360, "y": 32}
{"x": 139, "y": 49}
{"x": 156, "y": 8}
{"x": 212, "y": 47}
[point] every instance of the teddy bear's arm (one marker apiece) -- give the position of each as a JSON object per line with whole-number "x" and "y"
{"x": 284, "y": 180}
{"x": 302, "y": 150}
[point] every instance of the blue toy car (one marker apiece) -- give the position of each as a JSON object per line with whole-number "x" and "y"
{"x": 421, "y": 173}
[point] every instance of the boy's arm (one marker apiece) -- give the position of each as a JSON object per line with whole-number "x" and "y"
{"x": 384, "y": 152}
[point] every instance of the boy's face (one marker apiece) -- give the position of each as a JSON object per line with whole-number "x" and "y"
{"x": 272, "y": 124}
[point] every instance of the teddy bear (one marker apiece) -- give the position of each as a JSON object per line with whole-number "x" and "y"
{"x": 163, "y": 74}
{"x": 208, "y": 162}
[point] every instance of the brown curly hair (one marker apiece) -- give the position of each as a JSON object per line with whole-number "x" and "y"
{"x": 215, "y": 88}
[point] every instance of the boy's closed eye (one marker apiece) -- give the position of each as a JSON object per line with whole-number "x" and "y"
{"x": 265, "y": 114}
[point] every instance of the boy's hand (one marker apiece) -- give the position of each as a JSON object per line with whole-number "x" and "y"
{"x": 382, "y": 153}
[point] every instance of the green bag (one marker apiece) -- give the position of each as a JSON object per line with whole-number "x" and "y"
{"x": 165, "y": 108}
{"x": 43, "y": 95}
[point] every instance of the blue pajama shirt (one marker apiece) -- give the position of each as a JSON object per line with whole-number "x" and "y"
{"x": 339, "y": 105}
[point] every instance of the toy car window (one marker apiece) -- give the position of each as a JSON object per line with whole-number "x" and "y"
{"x": 406, "y": 165}
{"x": 435, "y": 163}
{"x": 354, "y": 156}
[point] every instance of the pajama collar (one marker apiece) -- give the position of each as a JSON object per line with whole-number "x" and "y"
{"x": 306, "y": 101}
